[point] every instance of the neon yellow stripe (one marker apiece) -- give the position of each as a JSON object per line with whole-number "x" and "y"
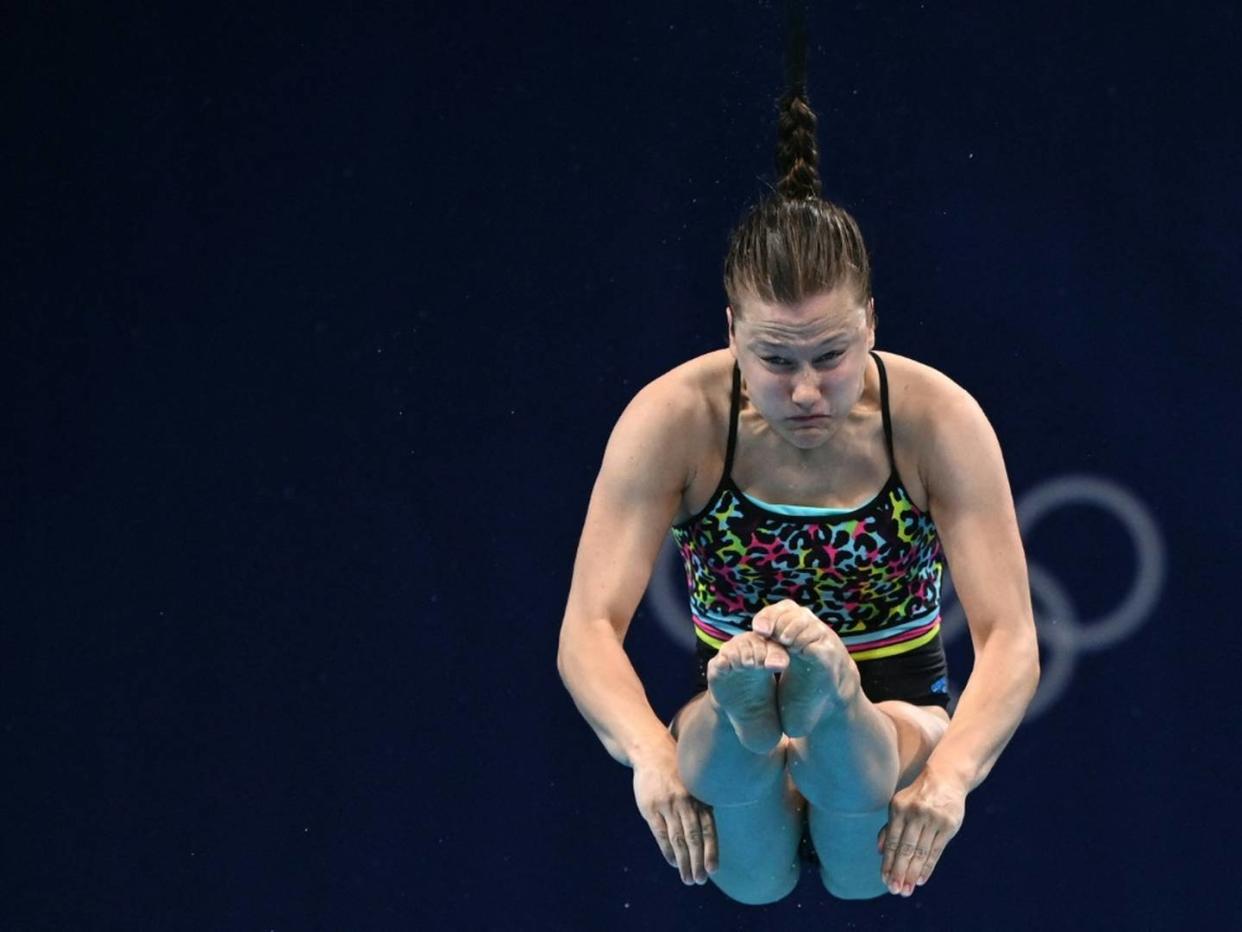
{"x": 707, "y": 638}
{"x": 890, "y": 650}
{"x": 894, "y": 649}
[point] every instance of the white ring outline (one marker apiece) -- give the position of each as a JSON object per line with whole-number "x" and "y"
{"x": 1116, "y": 625}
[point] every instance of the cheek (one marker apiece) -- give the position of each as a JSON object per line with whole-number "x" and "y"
{"x": 769, "y": 393}
{"x": 840, "y": 379}
{"x": 764, "y": 387}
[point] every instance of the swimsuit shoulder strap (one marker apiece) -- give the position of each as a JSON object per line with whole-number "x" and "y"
{"x": 888, "y": 420}
{"x": 734, "y": 406}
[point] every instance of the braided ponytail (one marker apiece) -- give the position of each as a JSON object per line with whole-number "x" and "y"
{"x": 797, "y": 158}
{"x": 793, "y": 244}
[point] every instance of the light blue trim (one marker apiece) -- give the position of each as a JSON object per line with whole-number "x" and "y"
{"x": 795, "y": 510}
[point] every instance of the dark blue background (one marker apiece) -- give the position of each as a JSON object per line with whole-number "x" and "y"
{"x": 321, "y": 318}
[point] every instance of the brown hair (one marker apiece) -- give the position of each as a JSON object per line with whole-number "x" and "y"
{"x": 794, "y": 244}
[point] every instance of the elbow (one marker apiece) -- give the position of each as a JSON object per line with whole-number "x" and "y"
{"x": 562, "y": 658}
{"x": 1031, "y": 644}
{"x": 579, "y": 640}
{"x": 1019, "y": 648}
{"x": 565, "y": 653}
{"x": 1026, "y": 659}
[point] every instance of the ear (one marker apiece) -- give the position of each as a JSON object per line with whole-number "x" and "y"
{"x": 871, "y": 324}
{"x": 729, "y": 321}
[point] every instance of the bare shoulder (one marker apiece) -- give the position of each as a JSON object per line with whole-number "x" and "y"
{"x": 942, "y": 427}
{"x": 686, "y": 396}
{"x": 678, "y": 411}
{"x": 933, "y": 418}
{"x": 922, "y": 397}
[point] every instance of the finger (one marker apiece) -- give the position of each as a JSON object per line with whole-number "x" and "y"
{"x": 892, "y": 838}
{"x": 692, "y": 831}
{"x": 711, "y": 853}
{"x": 660, "y": 832}
{"x": 903, "y": 879}
{"x": 922, "y": 853}
{"x": 935, "y": 849}
{"x": 677, "y": 839}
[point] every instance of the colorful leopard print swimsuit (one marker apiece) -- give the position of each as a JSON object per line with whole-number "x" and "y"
{"x": 872, "y": 573}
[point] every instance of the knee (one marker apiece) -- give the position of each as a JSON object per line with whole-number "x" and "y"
{"x": 734, "y": 779}
{"x": 755, "y": 890}
{"x": 853, "y": 888}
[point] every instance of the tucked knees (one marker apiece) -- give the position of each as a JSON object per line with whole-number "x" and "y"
{"x": 759, "y": 843}
{"x": 849, "y": 864}
{"x": 853, "y": 888}
{"x": 758, "y": 887}
{"x": 755, "y": 889}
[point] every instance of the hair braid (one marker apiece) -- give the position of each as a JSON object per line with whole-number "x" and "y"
{"x": 793, "y": 244}
{"x": 797, "y": 157}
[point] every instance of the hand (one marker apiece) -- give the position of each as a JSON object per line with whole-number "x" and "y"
{"x": 683, "y": 827}
{"x": 922, "y": 819}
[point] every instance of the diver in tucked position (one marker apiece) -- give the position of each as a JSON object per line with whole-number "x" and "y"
{"x": 815, "y": 488}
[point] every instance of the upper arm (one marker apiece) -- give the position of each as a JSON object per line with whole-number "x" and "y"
{"x": 971, "y": 503}
{"x": 636, "y": 496}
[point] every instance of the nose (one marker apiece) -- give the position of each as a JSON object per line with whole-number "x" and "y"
{"x": 806, "y": 388}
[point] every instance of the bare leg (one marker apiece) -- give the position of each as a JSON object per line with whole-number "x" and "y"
{"x": 851, "y": 759}
{"x": 757, "y": 810}
{"x": 845, "y": 841}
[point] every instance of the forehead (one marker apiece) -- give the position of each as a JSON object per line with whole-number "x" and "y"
{"x": 818, "y": 318}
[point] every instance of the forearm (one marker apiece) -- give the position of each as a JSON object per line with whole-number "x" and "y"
{"x": 599, "y": 676}
{"x": 1001, "y": 685}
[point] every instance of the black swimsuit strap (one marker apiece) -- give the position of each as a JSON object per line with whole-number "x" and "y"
{"x": 734, "y": 406}
{"x": 888, "y": 420}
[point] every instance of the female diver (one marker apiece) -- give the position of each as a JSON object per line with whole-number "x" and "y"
{"x": 815, "y": 488}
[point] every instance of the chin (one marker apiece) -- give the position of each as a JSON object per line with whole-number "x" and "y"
{"x": 807, "y": 440}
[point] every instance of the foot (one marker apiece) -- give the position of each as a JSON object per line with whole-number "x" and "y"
{"x": 742, "y": 685}
{"x": 822, "y": 678}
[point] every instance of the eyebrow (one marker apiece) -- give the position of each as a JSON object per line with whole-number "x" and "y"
{"x": 763, "y": 341}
